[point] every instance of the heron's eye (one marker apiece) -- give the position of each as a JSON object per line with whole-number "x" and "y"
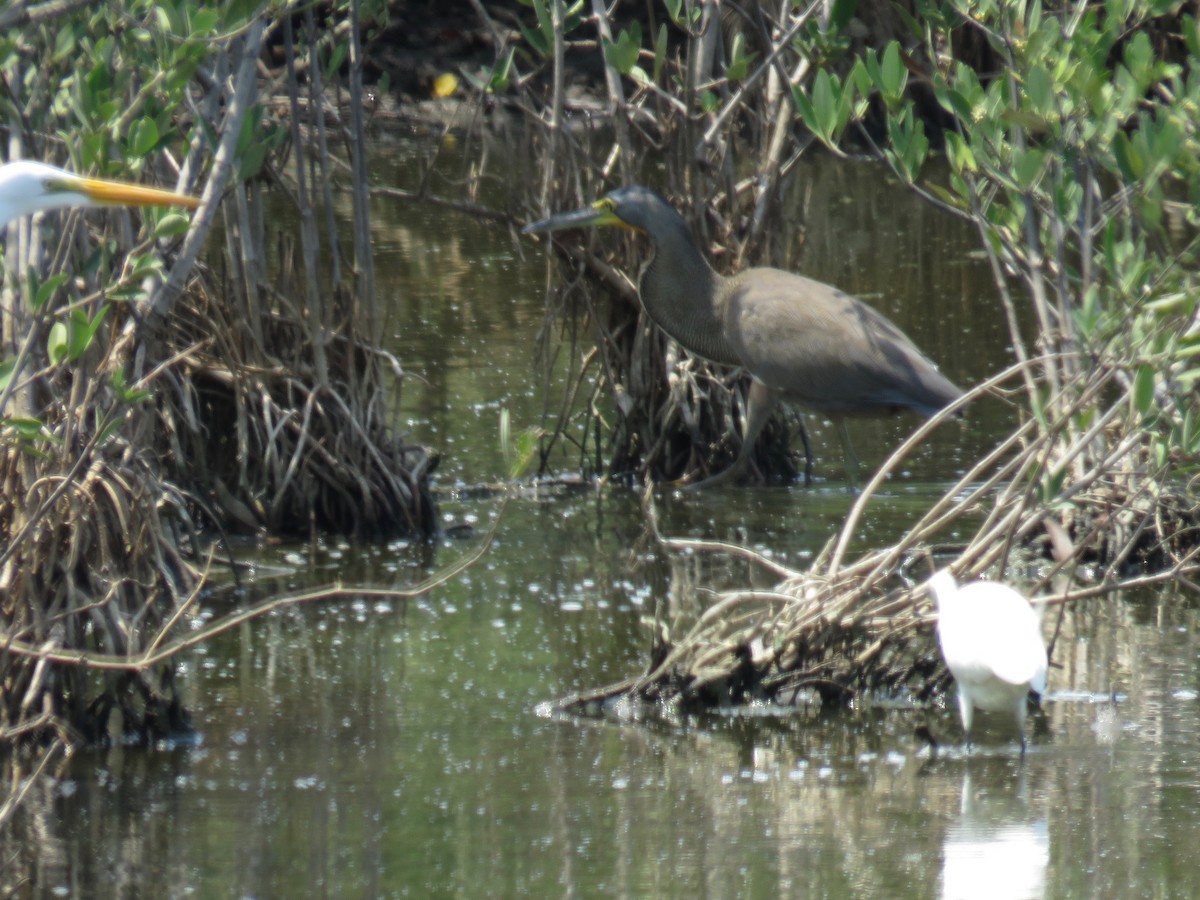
{"x": 607, "y": 205}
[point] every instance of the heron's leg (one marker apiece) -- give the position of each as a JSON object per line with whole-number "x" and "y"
{"x": 760, "y": 403}
{"x": 808, "y": 457}
{"x": 848, "y": 452}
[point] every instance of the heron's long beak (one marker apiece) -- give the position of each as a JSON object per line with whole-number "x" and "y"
{"x": 598, "y": 213}
{"x": 122, "y": 193}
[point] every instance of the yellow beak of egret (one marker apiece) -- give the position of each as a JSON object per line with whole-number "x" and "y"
{"x": 120, "y": 193}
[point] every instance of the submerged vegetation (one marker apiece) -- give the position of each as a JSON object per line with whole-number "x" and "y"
{"x": 1070, "y": 137}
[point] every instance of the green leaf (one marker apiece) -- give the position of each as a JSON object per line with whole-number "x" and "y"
{"x": 203, "y": 23}
{"x": 519, "y": 452}
{"x": 171, "y": 225}
{"x": 808, "y": 115}
{"x": 83, "y": 330}
{"x": 44, "y": 291}
{"x": 1128, "y": 161}
{"x": 825, "y": 104}
{"x": 108, "y": 431}
{"x": 1040, "y": 91}
{"x": 499, "y": 79}
{"x": 26, "y": 427}
{"x": 1139, "y": 59}
{"x": 144, "y": 137}
{"x": 1052, "y": 485}
{"x": 1028, "y": 168}
{"x": 962, "y": 159}
{"x": 909, "y": 145}
{"x": 860, "y": 76}
{"x": 535, "y": 40}
{"x": 8, "y": 368}
{"x": 623, "y": 53}
{"x": 892, "y": 74}
{"x": 56, "y": 343}
{"x": 739, "y": 59}
{"x": 842, "y": 13}
{"x": 1143, "y": 390}
{"x": 660, "y": 51}
{"x": 1037, "y": 406}
{"x": 251, "y": 161}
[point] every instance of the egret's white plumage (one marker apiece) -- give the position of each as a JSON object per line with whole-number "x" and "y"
{"x": 992, "y": 642}
{"x": 27, "y": 186}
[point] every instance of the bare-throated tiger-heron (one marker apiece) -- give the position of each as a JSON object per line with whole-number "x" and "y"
{"x": 801, "y": 340}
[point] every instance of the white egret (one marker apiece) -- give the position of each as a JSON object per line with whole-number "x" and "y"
{"x": 992, "y": 642}
{"x": 27, "y": 187}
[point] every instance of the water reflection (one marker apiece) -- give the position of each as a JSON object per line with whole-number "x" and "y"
{"x": 998, "y": 849}
{"x": 391, "y": 749}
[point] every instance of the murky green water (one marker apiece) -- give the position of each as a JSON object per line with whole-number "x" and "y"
{"x": 393, "y": 748}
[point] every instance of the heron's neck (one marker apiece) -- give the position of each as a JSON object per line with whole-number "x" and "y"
{"x": 681, "y": 292}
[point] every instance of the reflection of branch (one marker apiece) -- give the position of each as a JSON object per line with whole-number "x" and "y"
{"x": 155, "y": 655}
{"x": 485, "y": 213}
{"x": 21, "y": 785}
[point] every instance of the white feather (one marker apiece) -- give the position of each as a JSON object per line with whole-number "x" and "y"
{"x": 991, "y": 639}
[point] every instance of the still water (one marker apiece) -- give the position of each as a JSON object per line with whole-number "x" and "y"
{"x": 395, "y": 748}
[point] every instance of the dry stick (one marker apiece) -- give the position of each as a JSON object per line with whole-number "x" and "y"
{"x": 1000, "y": 280}
{"x": 945, "y": 510}
{"x": 107, "y": 662}
{"x": 1010, "y": 532}
{"x": 735, "y": 102}
{"x": 732, "y": 549}
{"x": 316, "y": 92}
{"x": 616, "y": 95}
{"x": 167, "y": 626}
{"x": 63, "y": 483}
{"x": 1048, "y": 445}
{"x": 309, "y": 241}
{"x": 1188, "y": 564}
{"x": 297, "y": 453}
{"x": 1034, "y": 252}
{"x": 364, "y": 259}
{"x": 17, "y": 794}
{"x": 371, "y": 448}
{"x": 558, "y": 79}
{"x": 900, "y": 453}
{"x": 240, "y": 104}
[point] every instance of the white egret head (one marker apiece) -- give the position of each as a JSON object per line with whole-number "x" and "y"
{"x": 27, "y": 187}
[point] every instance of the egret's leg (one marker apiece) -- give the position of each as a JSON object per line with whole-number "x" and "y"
{"x": 966, "y": 710}
{"x": 848, "y": 451}
{"x": 760, "y": 403}
{"x": 1020, "y": 711}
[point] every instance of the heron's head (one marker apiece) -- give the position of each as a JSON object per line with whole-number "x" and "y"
{"x": 633, "y": 207}
{"x": 27, "y": 186}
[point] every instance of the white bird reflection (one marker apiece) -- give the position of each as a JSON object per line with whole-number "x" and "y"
{"x": 997, "y": 850}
